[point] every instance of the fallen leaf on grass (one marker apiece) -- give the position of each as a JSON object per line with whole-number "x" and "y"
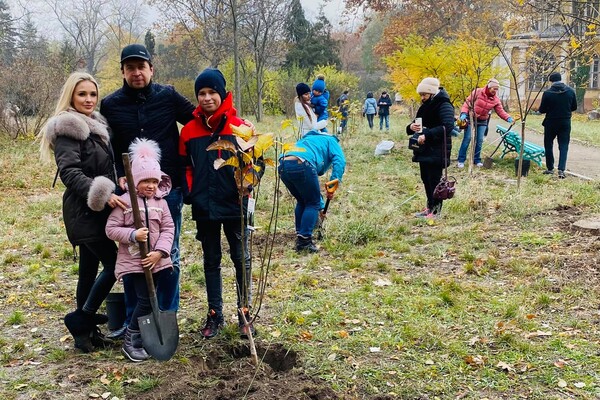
{"x": 104, "y": 380}
{"x": 537, "y": 333}
{"x": 343, "y": 334}
{"x": 105, "y": 395}
{"x": 21, "y": 386}
{"x": 505, "y": 366}
{"x": 560, "y": 363}
{"x": 429, "y": 362}
{"x": 475, "y": 361}
{"x": 276, "y": 333}
{"x": 382, "y": 282}
{"x": 530, "y": 316}
{"x": 64, "y": 338}
{"x": 374, "y": 349}
{"x": 579, "y": 385}
{"x": 306, "y": 335}
{"x": 94, "y": 395}
{"x": 332, "y": 357}
{"x": 562, "y": 383}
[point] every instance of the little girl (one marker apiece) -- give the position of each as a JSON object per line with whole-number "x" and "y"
{"x": 152, "y": 185}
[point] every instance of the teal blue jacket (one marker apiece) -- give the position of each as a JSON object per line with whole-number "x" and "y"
{"x": 322, "y": 151}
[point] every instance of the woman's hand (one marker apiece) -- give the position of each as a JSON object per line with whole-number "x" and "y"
{"x": 415, "y": 127}
{"x": 115, "y": 201}
{"x": 151, "y": 259}
{"x": 421, "y": 139}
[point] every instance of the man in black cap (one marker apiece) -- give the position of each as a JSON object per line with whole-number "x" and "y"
{"x": 142, "y": 108}
{"x": 558, "y": 102}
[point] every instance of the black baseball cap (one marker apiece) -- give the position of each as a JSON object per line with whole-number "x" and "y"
{"x": 135, "y": 51}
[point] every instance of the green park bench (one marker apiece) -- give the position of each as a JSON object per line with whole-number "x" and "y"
{"x": 512, "y": 143}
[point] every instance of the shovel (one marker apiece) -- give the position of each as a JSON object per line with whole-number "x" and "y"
{"x": 489, "y": 161}
{"x": 330, "y": 187}
{"x": 160, "y": 333}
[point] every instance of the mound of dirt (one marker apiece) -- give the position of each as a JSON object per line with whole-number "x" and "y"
{"x": 228, "y": 374}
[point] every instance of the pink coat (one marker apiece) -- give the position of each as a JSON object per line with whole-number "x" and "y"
{"x": 120, "y": 226}
{"x": 483, "y": 104}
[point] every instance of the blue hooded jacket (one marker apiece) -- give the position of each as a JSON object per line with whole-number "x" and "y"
{"x": 322, "y": 151}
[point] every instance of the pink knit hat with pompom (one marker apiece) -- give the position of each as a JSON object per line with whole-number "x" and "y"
{"x": 145, "y": 160}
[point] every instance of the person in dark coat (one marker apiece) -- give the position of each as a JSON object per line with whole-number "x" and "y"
{"x": 79, "y": 138}
{"x": 558, "y": 103}
{"x": 142, "y": 108}
{"x": 384, "y": 103}
{"x": 437, "y": 114}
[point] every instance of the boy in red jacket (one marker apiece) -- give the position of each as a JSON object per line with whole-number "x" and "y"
{"x": 214, "y": 196}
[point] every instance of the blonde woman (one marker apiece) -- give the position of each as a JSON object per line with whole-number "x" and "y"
{"x": 78, "y": 137}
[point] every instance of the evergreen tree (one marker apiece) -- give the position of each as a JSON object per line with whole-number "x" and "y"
{"x": 298, "y": 28}
{"x": 315, "y": 48}
{"x": 8, "y": 35}
{"x": 30, "y": 45}
{"x": 150, "y": 42}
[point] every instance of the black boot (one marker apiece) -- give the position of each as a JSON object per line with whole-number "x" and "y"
{"x": 99, "y": 340}
{"x": 305, "y": 244}
{"x": 133, "y": 347}
{"x": 81, "y": 325}
{"x": 100, "y": 319}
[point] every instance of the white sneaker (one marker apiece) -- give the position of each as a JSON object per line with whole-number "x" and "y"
{"x": 461, "y": 165}
{"x": 479, "y": 164}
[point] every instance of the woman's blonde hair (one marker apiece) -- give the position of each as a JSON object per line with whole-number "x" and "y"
{"x": 66, "y": 94}
{"x": 63, "y": 104}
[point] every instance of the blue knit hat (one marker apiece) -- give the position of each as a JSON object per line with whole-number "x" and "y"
{"x": 211, "y": 78}
{"x": 319, "y": 85}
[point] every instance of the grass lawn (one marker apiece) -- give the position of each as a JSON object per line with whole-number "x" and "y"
{"x": 498, "y": 299}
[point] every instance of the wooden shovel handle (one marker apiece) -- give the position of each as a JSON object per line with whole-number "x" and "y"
{"x": 137, "y": 220}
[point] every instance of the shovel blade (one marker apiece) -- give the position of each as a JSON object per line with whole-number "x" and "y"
{"x": 160, "y": 334}
{"x": 488, "y": 162}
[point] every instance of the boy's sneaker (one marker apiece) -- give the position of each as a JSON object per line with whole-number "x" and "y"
{"x": 214, "y": 324}
{"x": 548, "y": 172}
{"x": 479, "y": 164}
{"x": 243, "y": 328}
{"x": 561, "y": 174}
{"x": 423, "y": 213}
{"x": 460, "y": 165}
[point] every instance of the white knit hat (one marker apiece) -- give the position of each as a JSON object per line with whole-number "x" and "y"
{"x": 493, "y": 83}
{"x": 429, "y": 85}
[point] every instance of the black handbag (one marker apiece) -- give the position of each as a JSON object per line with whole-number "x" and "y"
{"x": 446, "y": 188}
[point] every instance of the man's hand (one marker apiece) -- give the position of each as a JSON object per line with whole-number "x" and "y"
{"x": 151, "y": 259}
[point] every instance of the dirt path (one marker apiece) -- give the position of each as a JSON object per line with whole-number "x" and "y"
{"x": 583, "y": 161}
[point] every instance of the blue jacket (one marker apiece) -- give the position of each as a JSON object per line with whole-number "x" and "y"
{"x": 319, "y": 104}
{"x": 322, "y": 151}
{"x": 370, "y": 106}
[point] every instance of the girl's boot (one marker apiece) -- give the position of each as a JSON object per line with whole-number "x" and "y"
{"x": 133, "y": 347}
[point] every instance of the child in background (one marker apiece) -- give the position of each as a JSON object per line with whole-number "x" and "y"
{"x": 152, "y": 186}
{"x": 214, "y": 196}
{"x": 320, "y": 100}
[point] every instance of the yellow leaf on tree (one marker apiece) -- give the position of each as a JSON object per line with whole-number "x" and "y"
{"x": 265, "y": 141}
{"x": 232, "y": 161}
{"x": 286, "y": 123}
{"x": 270, "y": 162}
{"x": 222, "y": 144}
{"x": 242, "y": 131}
{"x": 246, "y": 144}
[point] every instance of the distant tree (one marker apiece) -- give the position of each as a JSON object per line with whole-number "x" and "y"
{"x": 150, "y": 42}
{"x": 8, "y": 35}
{"x": 30, "y": 44}
{"x": 317, "y": 47}
{"x": 262, "y": 26}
